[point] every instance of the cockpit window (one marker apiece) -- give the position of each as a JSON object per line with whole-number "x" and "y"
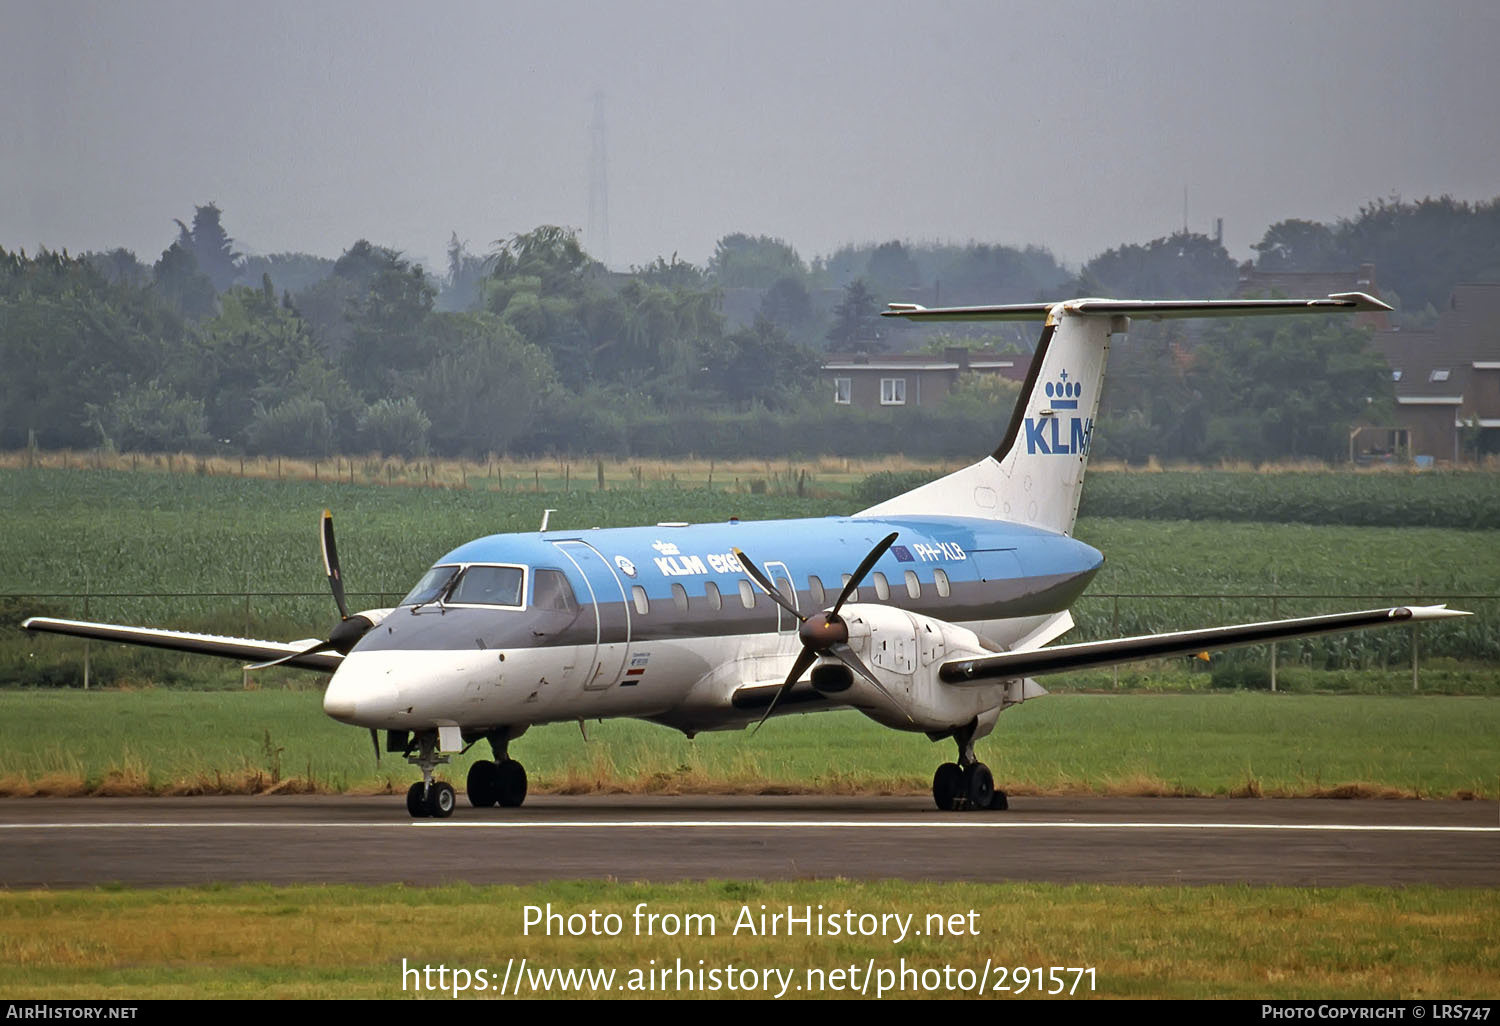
{"x": 551, "y": 590}
{"x": 488, "y": 586}
{"x": 430, "y": 586}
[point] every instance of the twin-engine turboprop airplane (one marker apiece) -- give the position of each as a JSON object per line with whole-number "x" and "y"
{"x": 929, "y": 612}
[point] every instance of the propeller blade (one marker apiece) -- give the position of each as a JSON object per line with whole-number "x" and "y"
{"x": 331, "y": 565}
{"x": 845, "y": 654}
{"x": 805, "y": 658}
{"x": 766, "y": 585}
{"x": 375, "y": 740}
{"x": 322, "y": 646}
{"x": 864, "y": 568}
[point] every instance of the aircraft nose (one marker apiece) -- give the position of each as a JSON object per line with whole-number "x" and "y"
{"x": 357, "y": 697}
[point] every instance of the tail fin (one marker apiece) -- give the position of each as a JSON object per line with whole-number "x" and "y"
{"x": 1035, "y": 474}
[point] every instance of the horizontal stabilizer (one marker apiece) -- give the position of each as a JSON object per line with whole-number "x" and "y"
{"x": 1150, "y": 309}
{"x": 243, "y": 649}
{"x": 1090, "y": 654}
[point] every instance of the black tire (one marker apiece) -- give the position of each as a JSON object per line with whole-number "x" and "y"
{"x": 998, "y": 801}
{"x": 416, "y": 802}
{"x": 483, "y": 785}
{"x": 979, "y": 786}
{"x": 947, "y": 785}
{"x": 510, "y": 784}
{"x": 441, "y": 798}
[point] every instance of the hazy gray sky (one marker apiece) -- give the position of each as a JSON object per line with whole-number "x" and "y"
{"x": 1074, "y": 125}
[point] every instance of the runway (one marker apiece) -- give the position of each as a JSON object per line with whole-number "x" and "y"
{"x": 329, "y": 839}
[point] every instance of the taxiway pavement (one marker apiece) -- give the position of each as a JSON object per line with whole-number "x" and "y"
{"x": 330, "y": 839}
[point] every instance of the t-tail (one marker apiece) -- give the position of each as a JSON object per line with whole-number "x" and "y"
{"x": 1035, "y": 474}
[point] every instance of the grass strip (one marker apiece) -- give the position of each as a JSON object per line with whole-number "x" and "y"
{"x": 1143, "y": 942}
{"x": 160, "y": 741}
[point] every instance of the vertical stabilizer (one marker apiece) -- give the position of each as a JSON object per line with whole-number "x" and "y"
{"x": 1035, "y": 474}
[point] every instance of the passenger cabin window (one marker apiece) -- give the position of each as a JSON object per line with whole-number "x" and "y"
{"x": 784, "y": 585}
{"x": 432, "y": 584}
{"x": 489, "y": 586}
{"x": 642, "y": 603}
{"x": 711, "y": 593}
{"x": 940, "y": 578}
{"x": 550, "y": 590}
{"x": 679, "y": 597}
{"x": 882, "y": 587}
{"x": 747, "y": 594}
{"x": 815, "y": 588}
{"x": 853, "y": 595}
{"x": 913, "y": 586}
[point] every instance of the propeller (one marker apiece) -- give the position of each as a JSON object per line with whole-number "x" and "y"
{"x": 822, "y": 634}
{"x": 349, "y": 629}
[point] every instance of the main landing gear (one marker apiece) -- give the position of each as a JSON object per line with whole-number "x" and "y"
{"x": 967, "y": 783}
{"x": 502, "y": 782}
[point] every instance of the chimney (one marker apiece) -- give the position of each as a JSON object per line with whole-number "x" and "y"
{"x": 958, "y": 355}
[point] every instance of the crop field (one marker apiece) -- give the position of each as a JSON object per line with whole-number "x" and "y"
{"x": 70, "y": 532}
{"x": 173, "y": 741}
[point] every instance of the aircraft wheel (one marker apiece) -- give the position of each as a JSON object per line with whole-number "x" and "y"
{"x": 416, "y": 802}
{"x": 979, "y": 786}
{"x": 510, "y": 784}
{"x": 998, "y": 801}
{"x": 483, "y": 785}
{"x": 441, "y": 798}
{"x": 947, "y": 785}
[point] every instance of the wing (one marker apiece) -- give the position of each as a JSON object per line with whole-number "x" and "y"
{"x": 243, "y": 649}
{"x": 1154, "y": 646}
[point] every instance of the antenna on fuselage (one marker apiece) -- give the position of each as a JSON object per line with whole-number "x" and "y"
{"x": 546, "y": 515}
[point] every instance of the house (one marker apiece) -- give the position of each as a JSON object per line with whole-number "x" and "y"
{"x": 875, "y": 380}
{"x": 1448, "y": 378}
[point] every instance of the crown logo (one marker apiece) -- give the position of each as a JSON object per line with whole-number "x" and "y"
{"x": 1064, "y": 393}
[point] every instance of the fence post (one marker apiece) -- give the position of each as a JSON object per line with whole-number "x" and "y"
{"x": 1274, "y": 589}
{"x": 1115, "y": 630}
{"x": 1417, "y": 599}
{"x": 85, "y": 640}
{"x": 244, "y": 672}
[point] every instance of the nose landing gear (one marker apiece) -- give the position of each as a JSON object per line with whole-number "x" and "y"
{"x": 428, "y": 798}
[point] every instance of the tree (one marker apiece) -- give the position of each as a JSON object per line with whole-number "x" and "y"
{"x": 854, "y": 319}
{"x": 182, "y": 284}
{"x": 211, "y": 246}
{"x": 787, "y": 305}
{"x": 386, "y": 316}
{"x": 483, "y": 385}
{"x": 892, "y": 270}
{"x": 255, "y": 354}
{"x": 755, "y": 262}
{"x": 1299, "y": 246}
{"x": 1291, "y": 389}
{"x": 1181, "y": 266}
{"x": 462, "y": 287}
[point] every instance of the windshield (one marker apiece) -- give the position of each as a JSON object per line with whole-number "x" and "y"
{"x": 488, "y": 586}
{"x": 430, "y": 586}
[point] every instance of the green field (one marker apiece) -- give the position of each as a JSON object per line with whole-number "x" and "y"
{"x": 353, "y": 942}
{"x": 108, "y": 532}
{"x": 174, "y": 741}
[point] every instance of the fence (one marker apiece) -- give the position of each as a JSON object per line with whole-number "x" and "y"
{"x": 292, "y": 614}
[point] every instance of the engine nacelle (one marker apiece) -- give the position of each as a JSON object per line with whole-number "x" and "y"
{"x": 904, "y": 650}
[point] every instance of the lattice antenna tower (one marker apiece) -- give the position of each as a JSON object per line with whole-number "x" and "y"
{"x": 598, "y": 231}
